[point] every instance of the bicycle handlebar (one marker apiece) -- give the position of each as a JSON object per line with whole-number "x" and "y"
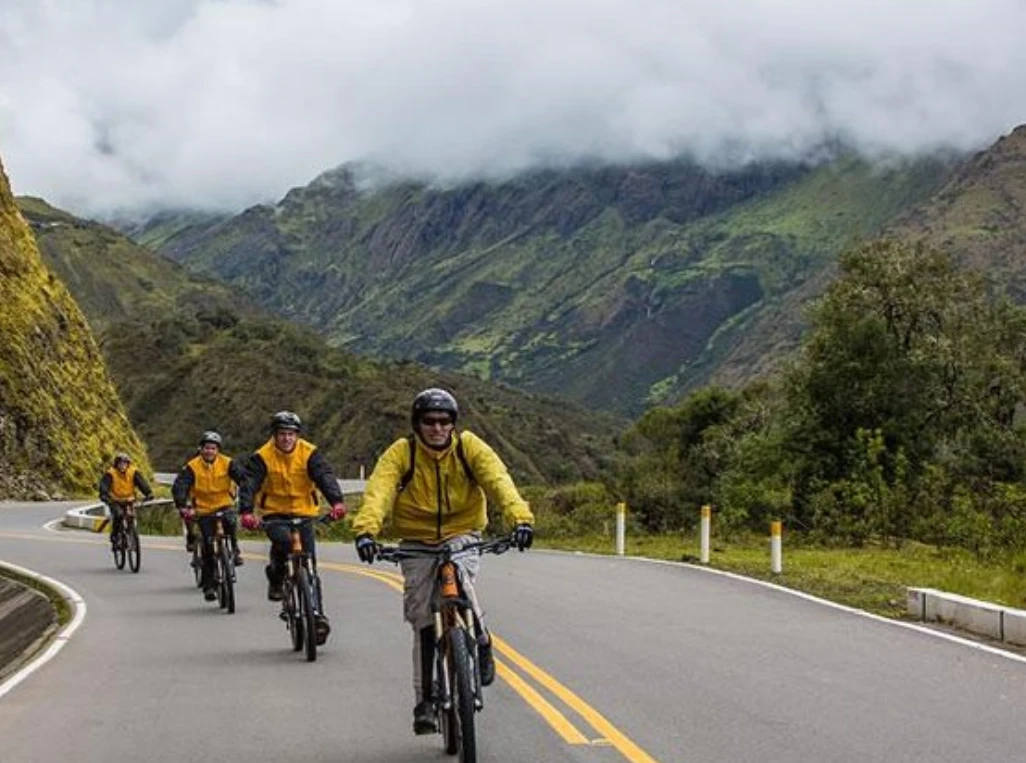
{"x": 295, "y": 521}
{"x": 396, "y": 554}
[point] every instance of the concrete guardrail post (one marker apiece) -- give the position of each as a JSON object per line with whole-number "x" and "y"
{"x": 706, "y": 531}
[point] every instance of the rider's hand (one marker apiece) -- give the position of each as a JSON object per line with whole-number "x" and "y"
{"x": 366, "y": 548}
{"x": 250, "y": 521}
{"x": 338, "y": 511}
{"x": 187, "y": 514}
{"x": 523, "y": 536}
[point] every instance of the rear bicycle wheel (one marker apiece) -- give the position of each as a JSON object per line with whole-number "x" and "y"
{"x": 134, "y": 549}
{"x": 462, "y": 686}
{"x": 306, "y": 614}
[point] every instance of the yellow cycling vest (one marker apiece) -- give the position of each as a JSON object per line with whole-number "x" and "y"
{"x": 122, "y": 486}
{"x": 212, "y": 487}
{"x": 287, "y": 488}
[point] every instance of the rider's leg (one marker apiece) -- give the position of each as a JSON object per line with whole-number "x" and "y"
{"x": 418, "y": 583}
{"x": 117, "y": 512}
{"x": 275, "y": 570}
{"x": 206, "y": 527}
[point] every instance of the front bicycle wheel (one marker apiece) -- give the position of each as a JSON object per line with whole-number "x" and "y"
{"x": 306, "y": 614}
{"x": 226, "y": 583}
{"x": 134, "y": 549}
{"x": 117, "y": 546}
{"x": 293, "y": 621}
{"x": 461, "y": 681}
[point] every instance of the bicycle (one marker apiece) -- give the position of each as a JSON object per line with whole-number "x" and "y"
{"x": 224, "y": 561}
{"x": 301, "y": 587}
{"x": 125, "y": 543}
{"x": 456, "y": 685}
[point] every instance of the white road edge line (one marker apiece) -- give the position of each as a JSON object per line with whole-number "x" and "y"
{"x": 49, "y": 526}
{"x": 77, "y": 604}
{"x": 998, "y": 651}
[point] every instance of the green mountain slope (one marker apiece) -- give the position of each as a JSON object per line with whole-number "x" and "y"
{"x": 616, "y": 286}
{"x": 187, "y": 356}
{"x": 60, "y": 418}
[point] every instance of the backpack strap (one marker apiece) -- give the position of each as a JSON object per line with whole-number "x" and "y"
{"x": 460, "y": 454}
{"x": 408, "y": 474}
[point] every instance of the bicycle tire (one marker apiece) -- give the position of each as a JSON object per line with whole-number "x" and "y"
{"x": 197, "y": 564}
{"x": 134, "y": 549}
{"x": 462, "y": 687}
{"x": 446, "y": 718}
{"x": 293, "y": 621}
{"x": 118, "y": 548}
{"x": 226, "y": 584}
{"x": 306, "y": 614}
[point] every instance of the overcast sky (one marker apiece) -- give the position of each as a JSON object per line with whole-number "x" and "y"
{"x": 120, "y": 104}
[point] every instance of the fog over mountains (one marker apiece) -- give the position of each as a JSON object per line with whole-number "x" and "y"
{"x": 112, "y": 105}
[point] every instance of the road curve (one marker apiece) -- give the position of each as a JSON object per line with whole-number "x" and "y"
{"x": 601, "y": 659}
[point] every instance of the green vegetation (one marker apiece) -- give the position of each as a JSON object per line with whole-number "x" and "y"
{"x": 60, "y": 416}
{"x": 899, "y": 424}
{"x": 606, "y": 285}
{"x": 187, "y": 356}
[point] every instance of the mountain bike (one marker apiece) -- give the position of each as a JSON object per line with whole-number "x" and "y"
{"x": 224, "y": 561}
{"x": 301, "y": 588}
{"x": 125, "y": 543}
{"x": 456, "y": 686}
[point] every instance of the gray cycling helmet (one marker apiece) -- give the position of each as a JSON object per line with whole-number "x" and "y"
{"x": 122, "y": 457}
{"x": 286, "y": 420}
{"x": 433, "y": 399}
{"x": 211, "y": 436}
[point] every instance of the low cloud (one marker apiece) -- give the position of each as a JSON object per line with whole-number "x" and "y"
{"x": 114, "y": 105}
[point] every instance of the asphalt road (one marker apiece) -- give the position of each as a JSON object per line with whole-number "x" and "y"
{"x": 601, "y": 660}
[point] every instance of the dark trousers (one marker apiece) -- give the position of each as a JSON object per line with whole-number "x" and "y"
{"x": 208, "y": 527}
{"x": 117, "y": 518}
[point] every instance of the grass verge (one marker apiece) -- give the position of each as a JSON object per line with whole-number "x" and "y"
{"x": 872, "y": 578}
{"x": 60, "y": 606}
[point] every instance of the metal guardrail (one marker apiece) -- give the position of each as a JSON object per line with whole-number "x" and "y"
{"x": 93, "y": 515}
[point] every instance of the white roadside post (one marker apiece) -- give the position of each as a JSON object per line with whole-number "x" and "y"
{"x": 706, "y": 527}
{"x": 621, "y": 528}
{"x": 776, "y": 553}
{"x": 361, "y": 472}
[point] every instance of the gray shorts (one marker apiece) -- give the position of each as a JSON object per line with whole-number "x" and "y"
{"x": 419, "y": 579}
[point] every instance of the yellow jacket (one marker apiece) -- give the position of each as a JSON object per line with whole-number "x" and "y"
{"x": 212, "y": 486}
{"x": 441, "y": 499}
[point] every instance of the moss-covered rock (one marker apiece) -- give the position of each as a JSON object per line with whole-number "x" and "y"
{"x": 60, "y": 418}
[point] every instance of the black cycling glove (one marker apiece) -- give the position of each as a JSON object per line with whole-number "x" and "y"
{"x": 523, "y": 536}
{"x": 366, "y": 548}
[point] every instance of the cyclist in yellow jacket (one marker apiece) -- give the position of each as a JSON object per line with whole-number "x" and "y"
{"x": 118, "y": 487}
{"x": 435, "y": 484}
{"x": 204, "y": 486}
{"x": 282, "y": 480}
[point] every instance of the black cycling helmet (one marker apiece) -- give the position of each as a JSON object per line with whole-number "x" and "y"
{"x": 433, "y": 399}
{"x": 286, "y": 420}
{"x": 211, "y": 436}
{"x": 122, "y": 458}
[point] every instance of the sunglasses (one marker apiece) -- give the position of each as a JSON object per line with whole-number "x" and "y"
{"x": 430, "y": 421}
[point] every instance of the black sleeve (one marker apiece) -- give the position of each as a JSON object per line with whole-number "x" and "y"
{"x": 105, "y": 481}
{"x": 183, "y": 486}
{"x": 256, "y": 471}
{"x": 323, "y": 475}
{"x": 237, "y": 471}
{"x": 144, "y": 486}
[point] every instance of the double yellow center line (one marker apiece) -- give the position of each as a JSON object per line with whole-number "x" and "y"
{"x": 607, "y": 734}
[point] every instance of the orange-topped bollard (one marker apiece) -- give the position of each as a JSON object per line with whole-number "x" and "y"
{"x": 776, "y": 550}
{"x": 706, "y": 532}
{"x": 621, "y": 528}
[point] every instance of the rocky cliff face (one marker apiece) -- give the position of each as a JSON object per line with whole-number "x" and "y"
{"x": 60, "y": 417}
